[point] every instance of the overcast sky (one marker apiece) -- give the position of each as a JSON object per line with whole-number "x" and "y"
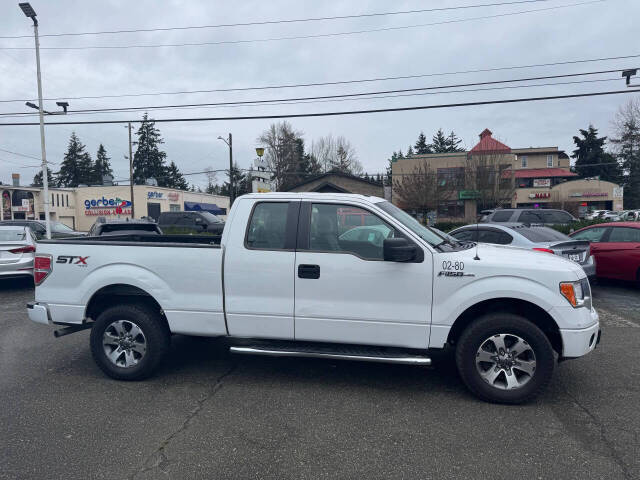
{"x": 594, "y": 30}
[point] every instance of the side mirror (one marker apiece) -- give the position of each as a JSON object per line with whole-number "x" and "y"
{"x": 398, "y": 250}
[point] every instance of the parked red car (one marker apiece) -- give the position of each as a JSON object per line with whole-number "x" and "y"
{"x": 616, "y": 248}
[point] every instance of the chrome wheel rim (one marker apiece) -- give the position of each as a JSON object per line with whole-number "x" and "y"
{"x": 124, "y": 343}
{"x": 506, "y": 361}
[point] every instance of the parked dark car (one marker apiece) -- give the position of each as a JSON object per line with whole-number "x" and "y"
{"x": 196, "y": 222}
{"x": 542, "y": 216}
{"x": 616, "y": 247}
{"x": 39, "y": 230}
{"x": 124, "y": 227}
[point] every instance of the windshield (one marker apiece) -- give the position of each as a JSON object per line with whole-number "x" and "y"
{"x": 12, "y": 234}
{"x": 211, "y": 218}
{"x": 60, "y": 228}
{"x": 426, "y": 233}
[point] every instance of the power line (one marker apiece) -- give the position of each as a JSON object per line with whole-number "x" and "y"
{"x": 23, "y": 115}
{"x": 302, "y": 37}
{"x": 340, "y": 82}
{"x": 332, "y": 114}
{"x": 19, "y": 154}
{"x": 369, "y": 95}
{"x": 272, "y": 22}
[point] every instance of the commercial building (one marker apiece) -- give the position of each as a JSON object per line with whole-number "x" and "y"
{"x": 520, "y": 177}
{"x": 79, "y": 207}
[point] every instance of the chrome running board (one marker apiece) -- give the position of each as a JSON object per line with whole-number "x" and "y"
{"x": 337, "y": 355}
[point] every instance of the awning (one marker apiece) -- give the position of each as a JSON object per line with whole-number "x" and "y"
{"x": 539, "y": 173}
{"x": 204, "y": 207}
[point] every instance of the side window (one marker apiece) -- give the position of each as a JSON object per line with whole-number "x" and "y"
{"x": 185, "y": 220}
{"x": 531, "y": 216}
{"x": 267, "y": 226}
{"x": 502, "y": 216}
{"x": 463, "y": 235}
{"x": 333, "y": 230}
{"x": 555, "y": 216}
{"x": 494, "y": 236}
{"x": 591, "y": 234}
{"x": 622, "y": 234}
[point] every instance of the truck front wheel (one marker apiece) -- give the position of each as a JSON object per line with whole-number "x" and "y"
{"x": 129, "y": 341}
{"x": 504, "y": 358}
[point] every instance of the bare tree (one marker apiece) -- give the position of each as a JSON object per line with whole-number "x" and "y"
{"x": 212, "y": 180}
{"x": 627, "y": 149}
{"x": 490, "y": 177}
{"x": 420, "y": 190}
{"x": 336, "y": 154}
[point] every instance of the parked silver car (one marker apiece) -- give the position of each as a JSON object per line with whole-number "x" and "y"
{"x": 534, "y": 237}
{"x": 546, "y": 216}
{"x": 17, "y": 251}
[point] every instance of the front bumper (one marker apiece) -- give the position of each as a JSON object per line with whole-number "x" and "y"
{"x": 579, "y": 342}
{"x": 38, "y": 313}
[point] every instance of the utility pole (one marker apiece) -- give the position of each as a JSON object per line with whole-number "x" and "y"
{"x": 30, "y": 12}
{"x": 133, "y": 214}
{"x": 229, "y": 142}
{"x": 231, "y": 185}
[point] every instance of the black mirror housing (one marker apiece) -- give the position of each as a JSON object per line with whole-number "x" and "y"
{"x": 399, "y": 250}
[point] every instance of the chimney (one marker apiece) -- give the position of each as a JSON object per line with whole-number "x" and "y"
{"x": 485, "y": 133}
{"x": 15, "y": 177}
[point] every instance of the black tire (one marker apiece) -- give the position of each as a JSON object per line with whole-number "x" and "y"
{"x": 491, "y": 326}
{"x": 155, "y": 338}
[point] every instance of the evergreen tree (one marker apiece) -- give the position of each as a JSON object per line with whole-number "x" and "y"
{"x": 440, "y": 143}
{"x": 149, "y": 161}
{"x": 37, "y": 179}
{"x": 102, "y": 166}
{"x": 77, "y": 167}
{"x": 238, "y": 182}
{"x": 422, "y": 147}
{"x": 409, "y": 151}
{"x": 590, "y": 153}
{"x": 172, "y": 178}
{"x": 627, "y": 128}
{"x": 453, "y": 143}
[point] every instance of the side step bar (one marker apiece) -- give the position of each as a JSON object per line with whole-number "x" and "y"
{"x": 274, "y": 352}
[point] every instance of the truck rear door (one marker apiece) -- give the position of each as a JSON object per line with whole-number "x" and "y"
{"x": 259, "y": 269}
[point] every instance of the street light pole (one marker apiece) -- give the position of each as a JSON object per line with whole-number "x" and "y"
{"x": 229, "y": 143}
{"x": 30, "y": 12}
{"x": 133, "y": 214}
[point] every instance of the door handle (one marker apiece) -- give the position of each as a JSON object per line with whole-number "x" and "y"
{"x": 309, "y": 271}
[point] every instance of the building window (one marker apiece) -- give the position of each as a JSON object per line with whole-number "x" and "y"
{"x": 67, "y": 199}
{"x": 451, "y": 176}
{"x": 451, "y": 209}
{"x": 57, "y": 199}
{"x": 53, "y": 200}
{"x": 174, "y": 207}
{"x": 549, "y": 160}
{"x": 523, "y": 160}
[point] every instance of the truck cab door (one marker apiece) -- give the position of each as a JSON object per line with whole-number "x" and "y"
{"x": 259, "y": 261}
{"x": 344, "y": 290}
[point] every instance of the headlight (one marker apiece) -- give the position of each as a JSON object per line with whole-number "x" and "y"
{"x": 578, "y": 294}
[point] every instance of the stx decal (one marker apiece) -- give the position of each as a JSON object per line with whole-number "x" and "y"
{"x": 72, "y": 259}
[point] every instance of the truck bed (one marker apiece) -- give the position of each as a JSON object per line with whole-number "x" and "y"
{"x": 138, "y": 239}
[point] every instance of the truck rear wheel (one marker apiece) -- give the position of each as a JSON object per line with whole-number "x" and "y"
{"x": 129, "y": 341}
{"x": 504, "y": 358}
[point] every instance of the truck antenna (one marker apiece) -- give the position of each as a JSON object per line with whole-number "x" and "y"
{"x": 477, "y": 236}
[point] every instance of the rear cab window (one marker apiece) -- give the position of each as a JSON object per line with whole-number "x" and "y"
{"x": 269, "y": 225}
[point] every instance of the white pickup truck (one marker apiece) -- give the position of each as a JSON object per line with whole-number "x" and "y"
{"x": 322, "y": 275}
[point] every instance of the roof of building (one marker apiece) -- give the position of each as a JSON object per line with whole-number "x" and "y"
{"x": 539, "y": 173}
{"x": 334, "y": 174}
{"x": 488, "y": 144}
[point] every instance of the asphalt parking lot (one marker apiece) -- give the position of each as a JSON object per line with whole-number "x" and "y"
{"x": 212, "y": 415}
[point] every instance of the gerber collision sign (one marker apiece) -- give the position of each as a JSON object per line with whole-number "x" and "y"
{"x": 107, "y": 206}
